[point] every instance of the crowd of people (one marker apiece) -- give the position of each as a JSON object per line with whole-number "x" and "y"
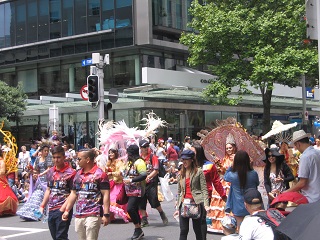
{"x": 221, "y": 194}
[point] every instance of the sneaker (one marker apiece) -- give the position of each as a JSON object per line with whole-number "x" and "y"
{"x": 138, "y": 234}
{"x": 144, "y": 222}
{"x": 164, "y": 218}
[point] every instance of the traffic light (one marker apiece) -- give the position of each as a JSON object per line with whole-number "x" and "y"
{"x": 93, "y": 88}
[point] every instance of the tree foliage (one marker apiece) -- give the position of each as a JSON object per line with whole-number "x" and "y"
{"x": 250, "y": 42}
{"x": 12, "y": 102}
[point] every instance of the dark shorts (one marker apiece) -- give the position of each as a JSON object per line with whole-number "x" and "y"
{"x": 151, "y": 195}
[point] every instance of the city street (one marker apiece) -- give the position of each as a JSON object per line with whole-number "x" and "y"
{"x": 14, "y": 228}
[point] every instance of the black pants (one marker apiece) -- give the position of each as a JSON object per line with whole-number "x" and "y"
{"x": 58, "y": 228}
{"x": 199, "y": 226}
{"x": 133, "y": 209}
{"x": 151, "y": 195}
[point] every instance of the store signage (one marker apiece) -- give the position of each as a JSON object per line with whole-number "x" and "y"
{"x": 309, "y": 92}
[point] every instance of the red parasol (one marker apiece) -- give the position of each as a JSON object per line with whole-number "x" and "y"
{"x": 215, "y": 142}
{"x": 294, "y": 197}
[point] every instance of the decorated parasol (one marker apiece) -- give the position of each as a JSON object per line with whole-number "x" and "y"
{"x": 277, "y": 128}
{"x": 214, "y": 142}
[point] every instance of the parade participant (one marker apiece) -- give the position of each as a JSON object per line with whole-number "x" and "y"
{"x": 217, "y": 203}
{"x": 277, "y": 173}
{"x": 36, "y": 193}
{"x": 136, "y": 173}
{"x": 91, "y": 192}
{"x": 241, "y": 176}
{"x": 24, "y": 158}
{"x": 8, "y": 200}
{"x": 151, "y": 193}
{"x": 211, "y": 175}
{"x": 59, "y": 179}
{"x": 192, "y": 188}
{"x": 309, "y": 167}
{"x": 114, "y": 169}
{"x": 284, "y": 150}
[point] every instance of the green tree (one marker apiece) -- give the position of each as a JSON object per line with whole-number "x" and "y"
{"x": 248, "y": 42}
{"x": 12, "y": 102}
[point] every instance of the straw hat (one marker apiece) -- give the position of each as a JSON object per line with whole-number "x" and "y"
{"x": 298, "y": 135}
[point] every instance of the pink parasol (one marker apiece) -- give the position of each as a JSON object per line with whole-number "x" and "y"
{"x": 214, "y": 143}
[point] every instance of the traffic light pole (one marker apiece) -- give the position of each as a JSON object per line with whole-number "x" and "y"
{"x": 101, "y": 88}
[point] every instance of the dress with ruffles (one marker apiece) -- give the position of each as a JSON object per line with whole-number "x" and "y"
{"x": 8, "y": 200}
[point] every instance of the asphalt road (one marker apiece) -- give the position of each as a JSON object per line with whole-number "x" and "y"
{"x": 14, "y": 228}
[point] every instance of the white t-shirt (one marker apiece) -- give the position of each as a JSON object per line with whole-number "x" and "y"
{"x": 160, "y": 154}
{"x": 309, "y": 167}
{"x": 231, "y": 237}
{"x": 254, "y": 228}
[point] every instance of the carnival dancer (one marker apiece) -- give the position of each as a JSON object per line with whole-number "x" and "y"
{"x": 8, "y": 200}
{"x": 217, "y": 204}
{"x": 220, "y": 146}
{"x": 114, "y": 169}
{"x": 39, "y": 170}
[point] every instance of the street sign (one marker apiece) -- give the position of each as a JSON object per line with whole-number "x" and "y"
{"x": 86, "y": 62}
{"x": 113, "y": 95}
{"x": 84, "y": 92}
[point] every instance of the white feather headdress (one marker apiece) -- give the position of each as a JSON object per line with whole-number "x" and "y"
{"x": 119, "y": 136}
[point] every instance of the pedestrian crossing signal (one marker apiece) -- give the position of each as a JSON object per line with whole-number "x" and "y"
{"x": 93, "y": 88}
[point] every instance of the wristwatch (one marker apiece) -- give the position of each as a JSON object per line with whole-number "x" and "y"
{"x": 106, "y": 214}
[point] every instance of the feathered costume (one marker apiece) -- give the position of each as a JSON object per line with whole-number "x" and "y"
{"x": 118, "y": 136}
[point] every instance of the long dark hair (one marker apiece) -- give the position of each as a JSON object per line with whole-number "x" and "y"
{"x": 200, "y": 156}
{"x": 242, "y": 166}
{"x": 279, "y": 162}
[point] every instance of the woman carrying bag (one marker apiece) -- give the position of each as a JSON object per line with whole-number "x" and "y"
{"x": 192, "y": 197}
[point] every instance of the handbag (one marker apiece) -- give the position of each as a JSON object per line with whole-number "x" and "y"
{"x": 189, "y": 209}
{"x": 122, "y": 197}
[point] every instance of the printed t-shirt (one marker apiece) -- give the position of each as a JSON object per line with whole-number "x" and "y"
{"x": 88, "y": 186}
{"x": 60, "y": 184}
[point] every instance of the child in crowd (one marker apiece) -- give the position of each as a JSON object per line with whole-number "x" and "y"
{"x": 229, "y": 225}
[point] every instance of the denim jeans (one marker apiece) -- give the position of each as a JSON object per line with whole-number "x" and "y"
{"x": 58, "y": 228}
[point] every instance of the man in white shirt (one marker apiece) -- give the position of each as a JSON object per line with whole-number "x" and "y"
{"x": 253, "y": 227}
{"x": 309, "y": 167}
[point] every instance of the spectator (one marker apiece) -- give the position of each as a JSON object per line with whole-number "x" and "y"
{"x": 309, "y": 167}
{"x": 172, "y": 155}
{"x": 229, "y": 225}
{"x": 34, "y": 153}
{"x": 192, "y": 188}
{"x": 241, "y": 176}
{"x": 253, "y": 227}
{"x": 187, "y": 143}
{"x": 24, "y": 158}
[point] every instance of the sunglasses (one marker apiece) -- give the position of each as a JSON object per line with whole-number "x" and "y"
{"x": 269, "y": 156}
{"x": 79, "y": 159}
